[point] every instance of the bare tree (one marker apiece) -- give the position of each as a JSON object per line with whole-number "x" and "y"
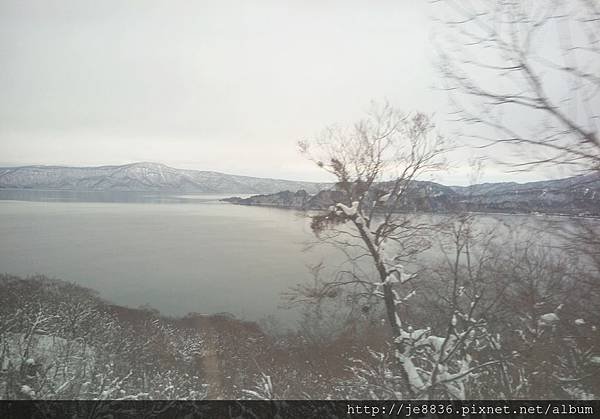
{"x": 526, "y": 73}
{"x": 59, "y": 341}
{"x": 376, "y": 163}
{"x": 535, "y": 323}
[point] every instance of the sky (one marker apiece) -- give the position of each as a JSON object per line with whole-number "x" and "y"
{"x": 225, "y": 85}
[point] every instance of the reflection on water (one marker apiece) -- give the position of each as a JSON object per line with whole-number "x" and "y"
{"x": 106, "y": 196}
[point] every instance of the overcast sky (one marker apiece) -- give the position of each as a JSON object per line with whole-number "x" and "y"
{"x": 217, "y": 85}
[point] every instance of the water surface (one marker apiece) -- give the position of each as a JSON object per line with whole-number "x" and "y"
{"x": 179, "y": 254}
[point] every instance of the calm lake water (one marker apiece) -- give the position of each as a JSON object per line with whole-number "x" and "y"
{"x": 178, "y": 254}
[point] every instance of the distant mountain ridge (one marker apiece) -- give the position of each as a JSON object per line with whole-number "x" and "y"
{"x": 578, "y": 195}
{"x": 144, "y": 177}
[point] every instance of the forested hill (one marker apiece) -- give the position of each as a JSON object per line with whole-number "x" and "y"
{"x": 578, "y": 195}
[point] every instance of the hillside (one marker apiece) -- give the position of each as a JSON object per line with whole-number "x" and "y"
{"x": 579, "y": 195}
{"x": 60, "y": 341}
{"x": 143, "y": 177}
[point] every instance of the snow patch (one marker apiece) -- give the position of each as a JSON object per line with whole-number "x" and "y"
{"x": 25, "y": 389}
{"x": 548, "y": 319}
{"x": 349, "y": 211}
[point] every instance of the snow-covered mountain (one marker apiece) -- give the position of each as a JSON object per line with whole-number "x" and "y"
{"x": 143, "y": 177}
{"x": 578, "y": 195}
{"x": 575, "y": 195}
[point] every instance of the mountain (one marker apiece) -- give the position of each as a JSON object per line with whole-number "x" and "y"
{"x": 143, "y": 177}
{"x": 579, "y": 195}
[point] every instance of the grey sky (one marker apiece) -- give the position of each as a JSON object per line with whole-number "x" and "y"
{"x": 211, "y": 85}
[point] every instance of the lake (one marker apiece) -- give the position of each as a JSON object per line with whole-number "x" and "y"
{"x": 177, "y": 253}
